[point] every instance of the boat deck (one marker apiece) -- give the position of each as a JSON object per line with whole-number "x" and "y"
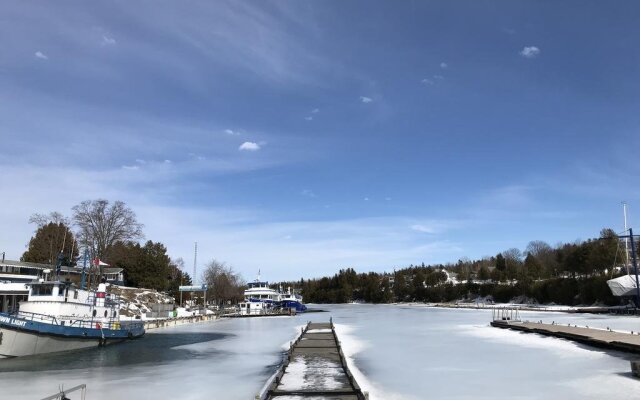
{"x": 314, "y": 368}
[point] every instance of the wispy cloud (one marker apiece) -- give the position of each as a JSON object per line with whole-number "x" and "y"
{"x": 249, "y": 146}
{"x": 366, "y": 99}
{"x": 308, "y": 193}
{"x": 41, "y": 55}
{"x": 427, "y": 81}
{"x": 131, "y": 167}
{"x": 422, "y": 228}
{"x": 108, "y": 41}
{"x": 438, "y": 77}
{"x": 444, "y": 65}
{"x": 315, "y": 110}
{"x": 530, "y": 52}
{"x": 231, "y": 132}
{"x": 308, "y": 118}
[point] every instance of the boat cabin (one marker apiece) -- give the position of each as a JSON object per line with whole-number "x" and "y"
{"x": 259, "y": 291}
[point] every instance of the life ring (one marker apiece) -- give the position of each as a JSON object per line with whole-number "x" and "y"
{"x": 98, "y": 326}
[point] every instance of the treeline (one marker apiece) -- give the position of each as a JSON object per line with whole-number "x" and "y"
{"x": 569, "y": 273}
{"x": 109, "y": 232}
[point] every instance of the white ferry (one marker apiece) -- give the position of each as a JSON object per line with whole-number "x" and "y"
{"x": 58, "y": 316}
{"x": 259, "y": 298}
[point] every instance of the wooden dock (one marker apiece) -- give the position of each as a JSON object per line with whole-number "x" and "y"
{"x": 314, "y": 367}
{"x": 627, "y": 342}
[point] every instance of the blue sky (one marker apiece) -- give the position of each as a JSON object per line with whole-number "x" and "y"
{"x": 300, "y": 137}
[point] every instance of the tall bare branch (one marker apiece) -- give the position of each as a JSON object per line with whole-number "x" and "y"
{"x": 100, "y": 225}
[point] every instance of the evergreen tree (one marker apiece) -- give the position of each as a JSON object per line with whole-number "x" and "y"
{"x": 501, "y": 264}
{"x": 49, "y": 241}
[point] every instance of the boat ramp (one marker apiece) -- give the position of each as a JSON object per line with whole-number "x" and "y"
{"x": 314, "y": 367}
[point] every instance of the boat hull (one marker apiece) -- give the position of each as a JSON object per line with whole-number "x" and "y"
{"x": 20, "y": 343}
{"x": 23, "y": 337}
{"x": 623, "y": 286}
{"x": 294, "y": 304}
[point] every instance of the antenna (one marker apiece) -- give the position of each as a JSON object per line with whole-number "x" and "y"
{"x": 195, "y": 260}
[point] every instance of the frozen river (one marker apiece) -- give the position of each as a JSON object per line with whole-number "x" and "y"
{"x": 400, "y": 352}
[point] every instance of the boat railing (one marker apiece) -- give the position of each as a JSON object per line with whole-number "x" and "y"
{"x": 76, "y": 322}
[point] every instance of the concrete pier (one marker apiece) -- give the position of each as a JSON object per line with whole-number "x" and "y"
{"x": 314, "y": 368}
{"x": 627, "y": 342}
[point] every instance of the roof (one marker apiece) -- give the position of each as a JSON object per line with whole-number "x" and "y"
{"x": 64, "y": 268}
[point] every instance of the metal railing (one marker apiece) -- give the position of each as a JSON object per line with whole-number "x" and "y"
{"x": 72, "y": 321}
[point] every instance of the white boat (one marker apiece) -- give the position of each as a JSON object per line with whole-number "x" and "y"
{"x": 259, "y": 298}
{"x": 58, "y": 316}
{"x": 624, "y": 285}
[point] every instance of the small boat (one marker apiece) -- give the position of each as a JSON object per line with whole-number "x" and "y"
{"x": 626, "y": 285}
{"x": 292, "y": 300}
{"x": 622, "y": 286}
{"x": 58, "y": 316}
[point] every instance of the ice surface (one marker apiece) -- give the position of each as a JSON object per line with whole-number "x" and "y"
{"x": 394, "y": 352}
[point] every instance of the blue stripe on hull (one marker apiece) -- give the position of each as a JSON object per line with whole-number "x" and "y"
{"x": 131, "y": 330}
{"x": 299, "y": 307}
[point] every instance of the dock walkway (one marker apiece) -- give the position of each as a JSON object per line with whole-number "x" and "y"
{"x": 628, "y": 342}
{"x": 314, "y": 368}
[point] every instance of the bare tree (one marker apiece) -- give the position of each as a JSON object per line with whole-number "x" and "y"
{"x": 101, "y": 225}
{"x": 53, "y": 217}
{"x": 224, "y": 283}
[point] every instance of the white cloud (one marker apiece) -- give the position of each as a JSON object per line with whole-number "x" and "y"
{"x": 41, "y": 55}
{"x": 308, "y": 193}
{"x": 423, "y": 228}
{"x": 444, "y": 65}
{"x": 249, "y": 146}
{"x": 197, "y": 157}
{"x": 308, "y": 118}
{"x": 231, "y": 132}
{"x": 167, "y": 161}
{"x": 366, "y": 99}
{"x": 366, "y": 199}
{"x": 530, "y": 52}
{"x": 108, "y": 41}
{"x": 315, "y": 110}
{"x": 131, "y": 167}
{"x": 426, "y": 81}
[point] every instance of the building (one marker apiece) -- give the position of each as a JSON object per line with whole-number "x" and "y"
{"x": 15, "y": 277}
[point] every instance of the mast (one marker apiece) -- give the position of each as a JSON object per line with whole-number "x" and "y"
{"x": 635, "y": 267}
{"x": 195, "y": 260}
{"x": 626, "y": 240}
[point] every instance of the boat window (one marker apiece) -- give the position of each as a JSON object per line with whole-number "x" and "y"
{"x": 75, "y": 294}
{"x": 105, "y": 313}
{"x": 60, "y": 290}
{"x": 94, "y": 313}
{"x": 41, "y": 290}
